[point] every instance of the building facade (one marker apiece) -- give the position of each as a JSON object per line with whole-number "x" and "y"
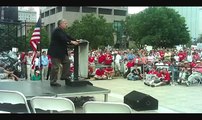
{"x": 28, "y": 15}
{"x": 50, "y": 15}
{"x": 193, "y": 18}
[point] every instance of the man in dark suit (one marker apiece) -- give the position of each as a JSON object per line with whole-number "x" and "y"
{"x": 59, "y": 54}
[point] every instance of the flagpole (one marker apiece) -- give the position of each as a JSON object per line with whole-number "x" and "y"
{"x": 25, "y": 37}
{"x": 40, "y": 45}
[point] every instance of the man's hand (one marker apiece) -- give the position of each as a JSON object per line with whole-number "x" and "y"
{"x": 78, "y": 41}
{"x": 75, "y": 42}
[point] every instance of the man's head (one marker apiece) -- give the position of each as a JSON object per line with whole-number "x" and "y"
{"x": 44, "y": 52}
{"x": 62, "y": 23}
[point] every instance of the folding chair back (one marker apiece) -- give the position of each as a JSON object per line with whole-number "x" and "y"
{"x": 58, "y": 104}
{"x": 106, "y": 107}
{"x": 13, "y": 97}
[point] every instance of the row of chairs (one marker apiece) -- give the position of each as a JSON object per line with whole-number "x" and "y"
{"x": 60, "y": 104}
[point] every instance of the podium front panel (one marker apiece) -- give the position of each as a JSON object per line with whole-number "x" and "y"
{"x": 83, "y": 59}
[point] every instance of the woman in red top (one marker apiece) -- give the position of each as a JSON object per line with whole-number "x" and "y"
{"x": 108, "y": 58}
{"x": 101, "y": 58}
{"x": 100, "y": 74}
{"x": 91, "y": 59}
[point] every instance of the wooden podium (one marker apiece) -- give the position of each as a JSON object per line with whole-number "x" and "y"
{"x": 80, "y": 65}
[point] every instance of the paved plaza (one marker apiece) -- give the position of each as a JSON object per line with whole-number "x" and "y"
{"x": 171, "y": 98}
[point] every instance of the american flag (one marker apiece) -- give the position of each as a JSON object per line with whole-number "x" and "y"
{"x": 35, "y": 39}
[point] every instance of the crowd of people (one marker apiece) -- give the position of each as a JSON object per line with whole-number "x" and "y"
{"x": 39, "y": 69}
{"x": 182, "y": 66}
{"x": 156, "y": 67}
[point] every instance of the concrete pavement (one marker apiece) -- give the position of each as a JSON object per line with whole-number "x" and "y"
{"x": 171, "y": 98}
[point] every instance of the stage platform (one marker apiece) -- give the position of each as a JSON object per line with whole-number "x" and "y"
{"x": 43, "y": 88}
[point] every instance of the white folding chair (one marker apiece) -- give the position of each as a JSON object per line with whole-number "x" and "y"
{"x": 58, "y": 104}
{"x": 4, "y": 112}
{"x": 13, "y": 97}
{"x": 105, "y": 107}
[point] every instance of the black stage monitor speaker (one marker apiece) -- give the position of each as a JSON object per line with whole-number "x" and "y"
{"x": 140, "y": 101}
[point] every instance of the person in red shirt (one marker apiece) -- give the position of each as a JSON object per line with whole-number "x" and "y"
{"x": 90, "y": 71}
{"x": 109, "y": 72}
{"x": 23, "y": 64}
{"x": 129, "y": 64}
{"x": 100, "y": 74}
{"x": 151, "y": 76}
{"x": 153, "y": 71}
{"x": 71, "y": 67}
{"x": 196, "y": 55}
{"x": 165, "y": 80}
{"x": 108, "y": 58}
{"x": 193, "y": 63}
{"x": 91, "y": 63}
{"x": 162, "y": 53}
{"x": 91, "y": 59}
{"x": 159, "y": 73}
{"x": 181, "y": 55}
{"x": 101, "y": 58}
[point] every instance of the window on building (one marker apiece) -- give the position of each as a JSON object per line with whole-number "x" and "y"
{"x": 42, "y": 15}
{"x": 105, "y": 11}
{"x": 73, "y": 9}
{"x": 46, "y": 13}
{"x": 117, "y": 25}
{"x": 52, "y": 11}
{"x": 88, "y": 10}
{"x": 120, "y": 12}
{"x": 59, "y": 9}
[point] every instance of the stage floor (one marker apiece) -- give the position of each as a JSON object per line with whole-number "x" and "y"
{"x": 43, "y": 88}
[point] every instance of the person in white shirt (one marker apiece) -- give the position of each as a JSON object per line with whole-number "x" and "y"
{"x": 150, "y": 58}
{"x": 189, "y": 58}
{"x": 28, "y": 59}
{"x": 36, "y": 62}
{"x": 118, "y": 59}
{"x": 176, "y": 57}
{"x": 71, "y": 57}
{"x": 159, "y": 64}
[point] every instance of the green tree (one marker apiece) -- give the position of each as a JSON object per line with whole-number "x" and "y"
{"x": 94, "y": 29}
{"x": 158, "y": 27}
{"x": 21, "y": 42}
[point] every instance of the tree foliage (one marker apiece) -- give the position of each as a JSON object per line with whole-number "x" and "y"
{"x": 158, "y": 27}
{"x": 94, "y": 29}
